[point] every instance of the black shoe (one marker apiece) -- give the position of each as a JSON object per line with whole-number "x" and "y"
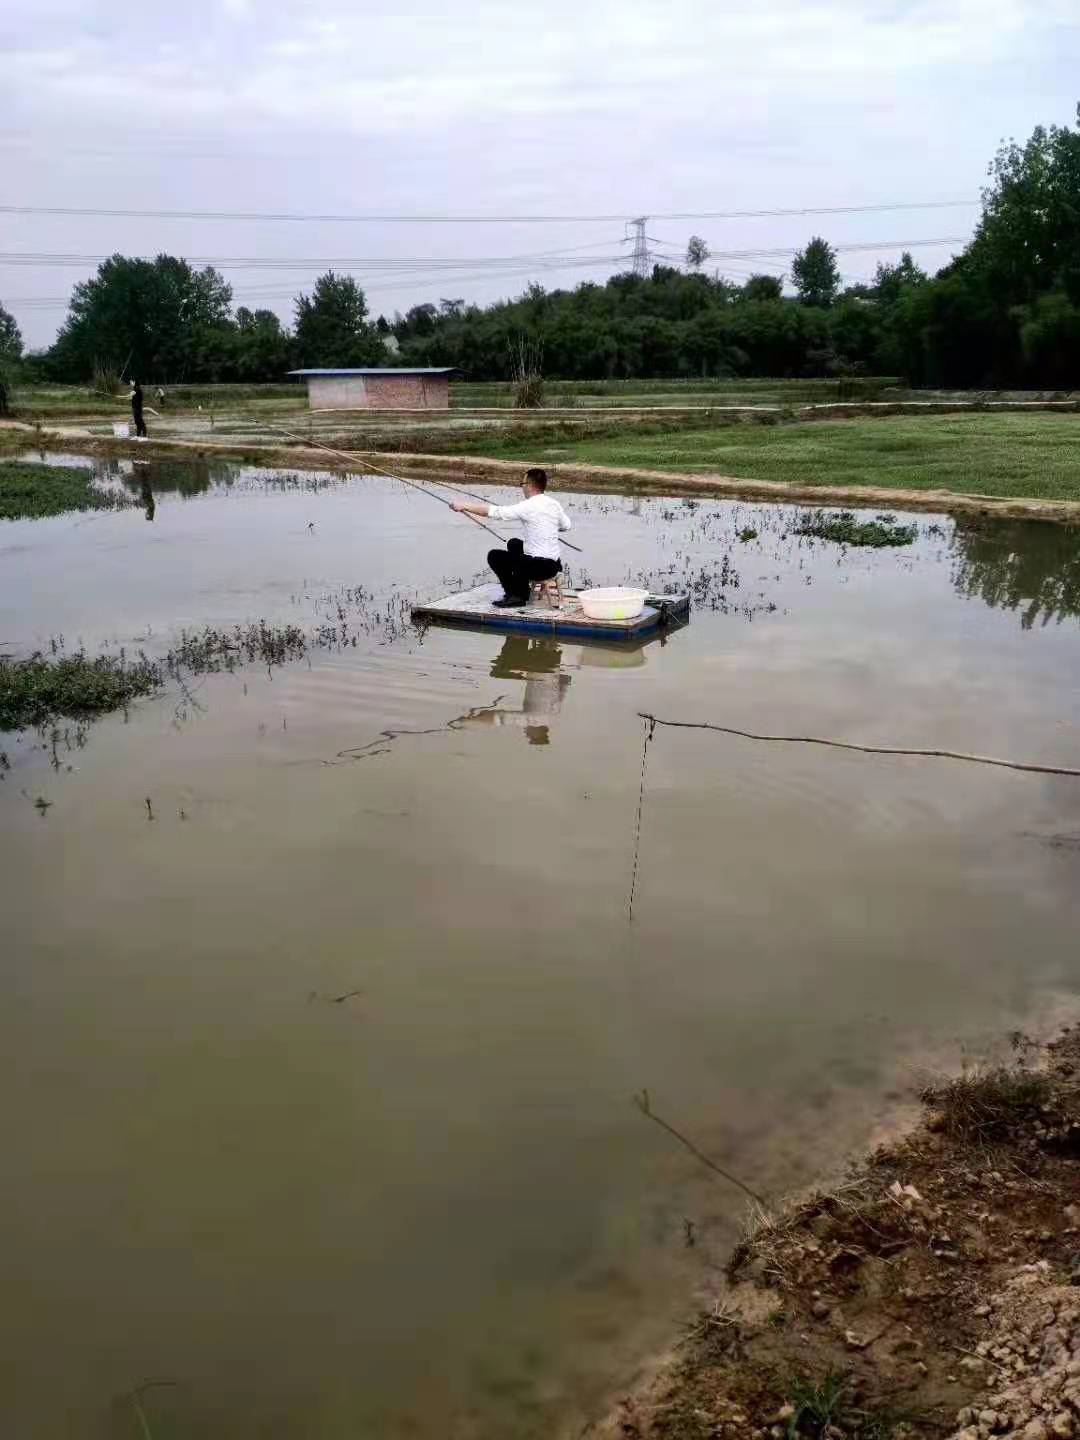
{"x": 510, "y": 602}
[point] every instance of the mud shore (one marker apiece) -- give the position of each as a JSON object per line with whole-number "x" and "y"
{"x": 935, "y": 1292}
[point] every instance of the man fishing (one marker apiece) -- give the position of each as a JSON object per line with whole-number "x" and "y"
{"x": 538, "y": 556}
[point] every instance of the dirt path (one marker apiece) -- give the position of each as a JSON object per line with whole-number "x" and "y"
{"x": 568, "y": 476}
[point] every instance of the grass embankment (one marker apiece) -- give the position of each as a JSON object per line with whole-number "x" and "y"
{"x": 1027, "y": 456}
{"x": 931, "y": 1294}
{"x": 34, "y": 491}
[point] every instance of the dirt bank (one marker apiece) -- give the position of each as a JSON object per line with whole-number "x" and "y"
{"x": 571, "y": 477}
{"x": 936, "y": 1293}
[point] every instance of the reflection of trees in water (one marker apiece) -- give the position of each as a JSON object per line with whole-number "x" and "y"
{"x": 186, "y": 477}
{"x": 182, "y": 477}
{"x": 1020, "y": 565}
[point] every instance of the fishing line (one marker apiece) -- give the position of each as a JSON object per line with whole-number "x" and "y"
{"x": 863, "y": 749}
{"x": 344, "y": 455}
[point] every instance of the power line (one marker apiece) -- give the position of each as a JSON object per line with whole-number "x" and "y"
{"x": 549, "y": 259}
{"x": 278, "y": 293}
{"x": 449, "y": 218}
{"x": 427, "y": 262}
{"x": 463, "y": 269}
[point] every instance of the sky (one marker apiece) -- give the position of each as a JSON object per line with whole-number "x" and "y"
{"x": 673, "y": 110}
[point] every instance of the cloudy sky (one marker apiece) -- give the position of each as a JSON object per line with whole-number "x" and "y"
{"x": 596, "y": 109}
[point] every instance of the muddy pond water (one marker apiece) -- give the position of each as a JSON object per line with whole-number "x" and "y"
{"x": 318, "y": 1084}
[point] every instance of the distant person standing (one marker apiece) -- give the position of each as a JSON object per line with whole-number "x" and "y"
{"x": 137, "y": 409}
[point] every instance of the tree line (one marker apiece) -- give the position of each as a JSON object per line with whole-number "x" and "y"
{"x": 1005, "y": 312}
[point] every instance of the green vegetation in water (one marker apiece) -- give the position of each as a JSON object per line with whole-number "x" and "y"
{"x": 38, "y": 690}
{"x": 205, "y": 651}
{"x": 842, "y": 527}
{"x": 747, "y": 534}
{"x": 34, "y": 491}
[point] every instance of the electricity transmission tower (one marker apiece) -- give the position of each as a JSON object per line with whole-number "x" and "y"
{"x": 641, "y": 246}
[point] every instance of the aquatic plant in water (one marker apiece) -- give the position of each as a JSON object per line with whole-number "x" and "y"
{"x": 842, "y": 527}
{"x": 36, "y": 690}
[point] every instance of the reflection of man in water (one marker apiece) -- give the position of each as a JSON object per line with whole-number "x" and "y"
{"x": 146, "y": 494}
{"x": 539, "y": 663}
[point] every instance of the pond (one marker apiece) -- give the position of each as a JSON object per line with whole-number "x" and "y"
{"x": 320, "y": 1065}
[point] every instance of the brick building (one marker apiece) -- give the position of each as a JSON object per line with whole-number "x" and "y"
{"x": 370, "y": 389}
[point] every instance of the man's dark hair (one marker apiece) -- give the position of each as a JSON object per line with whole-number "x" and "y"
{"x": 537, "y": 478}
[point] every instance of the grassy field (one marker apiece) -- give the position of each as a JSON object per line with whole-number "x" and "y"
{"x": 1035, "y": 456}
{"x": 587, "y": 394}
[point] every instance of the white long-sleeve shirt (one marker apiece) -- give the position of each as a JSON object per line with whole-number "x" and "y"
{"x": 542, "y": 518}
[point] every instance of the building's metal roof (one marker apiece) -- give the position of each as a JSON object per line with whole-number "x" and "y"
{"x": 382, "y": 370}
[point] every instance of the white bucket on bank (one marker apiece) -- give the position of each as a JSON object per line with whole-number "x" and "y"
{"x": 121, "y": 429}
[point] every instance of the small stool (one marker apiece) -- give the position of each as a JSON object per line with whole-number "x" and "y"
{"x": 551, "y": 589}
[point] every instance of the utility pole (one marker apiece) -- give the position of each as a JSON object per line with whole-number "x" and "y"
{"x": 641, "y": 247}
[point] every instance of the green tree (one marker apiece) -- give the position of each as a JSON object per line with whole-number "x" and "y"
{"x": 890, "y": 280}
{"x": 150, "y": 318}
{"x": 331, "y": 325}
{"x": 1050, "y": 340}
{"x": 10, "y": 339}
{"x": 697, "y": 252}
{"x": 1028, "y": 240}
{"x": 815, "y": 274}
{"x": 10, "y": 355}
{"x": 855, "y": 332}
{"x": 763, "y": 287}
{"x": 261, "y": 346}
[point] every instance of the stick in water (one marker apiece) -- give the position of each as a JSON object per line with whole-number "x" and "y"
{"x": 644, "y": 1105}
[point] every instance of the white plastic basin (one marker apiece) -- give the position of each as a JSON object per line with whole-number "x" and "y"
{"x": 613, "y": 602}
{"x": 120, "y": 429}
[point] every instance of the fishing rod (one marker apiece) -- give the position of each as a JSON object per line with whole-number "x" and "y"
{"x": 344, "y": 455}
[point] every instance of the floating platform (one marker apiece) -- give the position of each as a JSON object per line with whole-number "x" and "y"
{"x": 476, "y": 608}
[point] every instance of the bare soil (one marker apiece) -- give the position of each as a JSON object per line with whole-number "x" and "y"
{"x": 935, "y": 1293}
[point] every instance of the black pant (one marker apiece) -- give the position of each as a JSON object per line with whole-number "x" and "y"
{"x": 516, "y": 570}
{"x": 140, "y": 423}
